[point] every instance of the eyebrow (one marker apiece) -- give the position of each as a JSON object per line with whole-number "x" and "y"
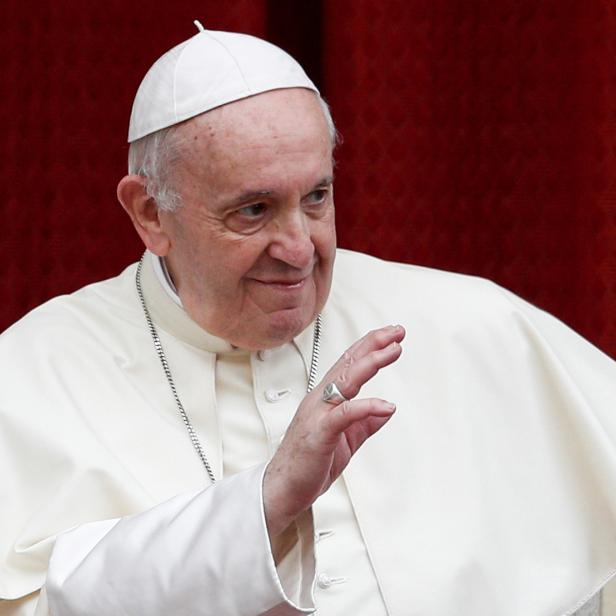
{"x": 252, "y": 195}
{"x": 326, "y": 181}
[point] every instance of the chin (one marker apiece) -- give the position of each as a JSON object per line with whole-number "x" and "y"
{"x": 285, "y": 325}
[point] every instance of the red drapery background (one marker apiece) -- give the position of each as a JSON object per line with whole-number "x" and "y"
{"x": 479, "y": 136}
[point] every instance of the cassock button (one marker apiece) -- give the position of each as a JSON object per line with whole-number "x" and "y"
{"x": 323, "y": 581}
{"x": 274, "y": 395}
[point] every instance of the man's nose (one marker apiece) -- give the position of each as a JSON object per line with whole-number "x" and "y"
{"x": 292, "y": 241}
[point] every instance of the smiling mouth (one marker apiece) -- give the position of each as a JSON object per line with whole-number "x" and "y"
{"x": 284, "y": 284}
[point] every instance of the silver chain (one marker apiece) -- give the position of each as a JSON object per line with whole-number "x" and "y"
{"x": 314, "y": 360}
{"x": 314, "y": 364}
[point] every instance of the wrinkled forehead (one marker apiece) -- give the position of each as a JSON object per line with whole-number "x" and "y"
{"x": 283, "y": 131}
{"x": 273, "y": 115}
{"x": 280, "y": 120}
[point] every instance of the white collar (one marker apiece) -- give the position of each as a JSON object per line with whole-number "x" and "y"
{"x": 162, "y": 273}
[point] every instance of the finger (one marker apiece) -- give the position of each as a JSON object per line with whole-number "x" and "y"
{"x": 353, "y": 412}
{"x": 355, "y": 374}
{"x": 372, "y": 341}
{"x": 356, "y": 437}
{"x": 377, "y": 339}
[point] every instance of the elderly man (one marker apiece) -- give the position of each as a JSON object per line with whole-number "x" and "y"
{"x": 185, "y": 438}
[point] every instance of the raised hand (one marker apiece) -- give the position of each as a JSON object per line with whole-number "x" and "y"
{"x": 323, "y": 437}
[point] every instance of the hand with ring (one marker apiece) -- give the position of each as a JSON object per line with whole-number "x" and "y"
{"x": 332, "y": 394}
{"x": 328, "y": 428}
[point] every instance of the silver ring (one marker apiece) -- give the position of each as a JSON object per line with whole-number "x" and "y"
{"x": 332, "y": 395}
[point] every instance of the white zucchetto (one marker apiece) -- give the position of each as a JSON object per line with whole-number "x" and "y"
{"x": 206, "y": 71}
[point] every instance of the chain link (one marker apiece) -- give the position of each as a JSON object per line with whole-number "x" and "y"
{"x": 314, "y": 360}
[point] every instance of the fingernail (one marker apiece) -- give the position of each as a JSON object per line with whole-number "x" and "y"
{"x": 390, "y": 407}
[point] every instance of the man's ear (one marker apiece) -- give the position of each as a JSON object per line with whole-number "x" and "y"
{"x": 144, "y": 213}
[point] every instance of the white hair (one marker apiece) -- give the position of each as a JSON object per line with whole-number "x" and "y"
{"x": 154, "y": 155}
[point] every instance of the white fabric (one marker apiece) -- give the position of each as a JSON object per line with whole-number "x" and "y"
{"x": 491, "y": 491}
{"x": 162, "y": 274}
{"x": 168, "y": 547}
{"x": 256, "y": 397}
{"x": 208, "y": 70}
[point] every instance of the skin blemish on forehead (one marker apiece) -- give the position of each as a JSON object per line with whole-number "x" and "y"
{"x": 209, "y": 129}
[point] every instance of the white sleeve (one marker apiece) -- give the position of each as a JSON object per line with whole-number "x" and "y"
{"x": 204, "y": 553}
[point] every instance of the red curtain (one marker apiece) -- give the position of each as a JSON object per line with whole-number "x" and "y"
{"x": 479, "y": 136}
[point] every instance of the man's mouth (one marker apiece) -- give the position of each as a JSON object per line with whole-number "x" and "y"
{"x": 282, "y": 283}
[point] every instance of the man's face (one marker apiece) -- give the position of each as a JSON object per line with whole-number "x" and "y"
{"x": 252, "y": 246}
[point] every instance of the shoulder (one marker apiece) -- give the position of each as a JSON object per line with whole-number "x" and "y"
{"x": 399, "y": 292}
{"x": 91, "y": 313}
{"x": 454, "y": 313}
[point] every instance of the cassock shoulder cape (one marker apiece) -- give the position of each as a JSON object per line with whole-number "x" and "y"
{"x": 491, "y": 491}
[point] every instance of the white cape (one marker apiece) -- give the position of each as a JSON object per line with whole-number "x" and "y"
{"x": 491, "y": 491}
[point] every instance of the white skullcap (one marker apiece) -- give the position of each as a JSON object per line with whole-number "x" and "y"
{"x": 208, "y": 70}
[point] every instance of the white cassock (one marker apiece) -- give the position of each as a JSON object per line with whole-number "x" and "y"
{"x": 492, "y": 491}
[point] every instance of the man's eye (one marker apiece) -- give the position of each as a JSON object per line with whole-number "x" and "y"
{"x": 252, "y": 211}
{"x": 317, "y": 196}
